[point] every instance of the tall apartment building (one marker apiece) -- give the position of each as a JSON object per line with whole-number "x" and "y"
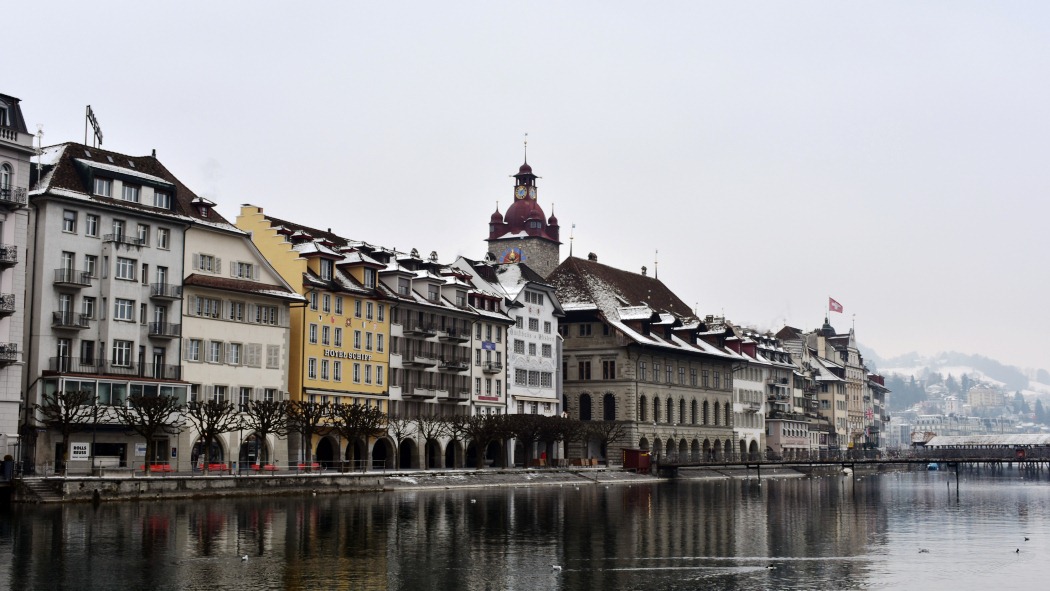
{"x": 533, "y": 344}
{"x": 235, "y": 332}
{"x": 16, "y": 147}
{"x": 340, "y": 340}
{"x": 635, "y": 352}
{"x": 105, "y": 264}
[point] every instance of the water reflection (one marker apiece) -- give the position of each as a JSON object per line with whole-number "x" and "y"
{"x": 835, "y": 532}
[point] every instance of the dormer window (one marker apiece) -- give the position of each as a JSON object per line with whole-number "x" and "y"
{"x": 131, "y": 193}
{"x": 326, "y": 269}
{"x": 162, "y": 200}
{"x": 370, "y": 278}
{"x": 403, "y": 287}
{"x": 433, "y": 294}
{"x": 103, "y": 187}
{"x": 202, "y": 211}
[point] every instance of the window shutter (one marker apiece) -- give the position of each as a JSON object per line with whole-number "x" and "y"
{"x": 233, "y": 269}
{"x": 196, "y": 261}
{"x": 209, "y": 392}
{"x": 185, "y": 349}
{"x": 218, "y": 265}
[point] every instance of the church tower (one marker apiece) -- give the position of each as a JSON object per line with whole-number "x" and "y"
{"x": 524, "y": 234}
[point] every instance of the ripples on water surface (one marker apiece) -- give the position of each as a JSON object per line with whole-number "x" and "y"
{"x": 820, "y": 533}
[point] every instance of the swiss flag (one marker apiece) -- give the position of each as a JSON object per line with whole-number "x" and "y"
{"x": 834, "y": 306}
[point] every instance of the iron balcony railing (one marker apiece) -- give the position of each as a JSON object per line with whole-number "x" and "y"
{"x": 165, "y": 291}
{"x": 8, "y": 254}
{"x": 8, "y": 352}
{"x": 157, "y": 371}
{"x": 66, "y": 319}
{"x": 165, "y": 329}
{"x": 13, "y": 196}
{"x": 72, "y": 277}
{"x": 492, "y": 367}
{"x": 7, "y": 304}
{"x": 124, "y": 239}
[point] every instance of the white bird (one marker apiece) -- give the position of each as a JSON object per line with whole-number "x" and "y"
{"x": 243, "y": 558}
{"x": 555, "y": 567}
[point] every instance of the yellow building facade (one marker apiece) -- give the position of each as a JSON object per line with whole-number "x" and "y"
{"x": 340, "y": 339}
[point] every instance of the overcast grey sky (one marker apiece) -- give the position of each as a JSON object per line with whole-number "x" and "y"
{"x": 892, "y": 155}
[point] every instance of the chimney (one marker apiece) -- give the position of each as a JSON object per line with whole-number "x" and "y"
{"x": 154, "y": 152}
{"x": 643, "y": 270}
{"x": 592, "y": 257}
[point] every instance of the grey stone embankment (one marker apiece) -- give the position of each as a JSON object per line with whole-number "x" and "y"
{"x": 141, "y": 488}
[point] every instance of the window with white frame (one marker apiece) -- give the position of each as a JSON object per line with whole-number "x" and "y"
{"x": 338, "y": 337}
{"x": 163, "y": 238}
{"x": 339, "y": 305}
{"x": 103, "y": 187}
{"x": 326, "y": 303}
{"x": 326, "y": 335}
{"x": 357, "y": 373}
{"x": 143, "y": 234}
{"x": 207, "y": 307}
{"x": 244, "y": 270}
{"x": 337, "y": 371}
{"x": 130, "y": 193}
{"x": 214, "y": 351}
{"x": 236, "y": 311}
{"x": 123, "y": 309}
{"x": 91, "y": 225}
{"x": 324, "y": 369}
{"x": 91, "y": 265}
{"x": 368, "y": 374}
{"x": 207, "y": 263}
{"x": 311, "y": 368}
{"x": 379, "y": 342}
{"x": 162, "y": 199}
{"x": 547, "y": 350}
{"x": 121, "y": 353}
{"x": 266, "y": 315}
{"x": 313, "y": 334}
{"x": 193, "y": 350}
{"x": 69, "y": 221}
{"x": 125, "y": 268}
{"x": 233, "y": 353}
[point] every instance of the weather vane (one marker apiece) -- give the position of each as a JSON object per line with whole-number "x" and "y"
{"x": 526, "y": 147}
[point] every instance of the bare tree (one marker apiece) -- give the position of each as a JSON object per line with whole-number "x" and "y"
{"x": 211, "y": 419}
{"x": 67, "y": 412}
{"x": 482, "y": 430}
{"x": 605, "y": 433}
{"x": 430, "y": 428}
{"x": 399, "y": 428}
{"x": 307, "y": 419}
{"x": 356, "y": 421}
{"x": 525, "y": 428}
{"x": 150, "y": 416}
{"x": 264, "y": 418}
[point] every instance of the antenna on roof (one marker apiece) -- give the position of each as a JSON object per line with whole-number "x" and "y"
{"x": 571, "y": 233}
{"x": 90, "y": 118}
{"x": 39, "y": 151}
{"x": 656, "y": 265}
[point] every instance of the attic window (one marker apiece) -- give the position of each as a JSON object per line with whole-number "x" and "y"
{"x": 202, "y": 210}
{"x": 370, "y": 278}
{"x": 4, "y": 119}
{"x": 326, "y": 269}
{"x": 162, "y": 200}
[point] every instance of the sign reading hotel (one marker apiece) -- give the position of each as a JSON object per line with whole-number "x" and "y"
{"x": 344, "y": 355}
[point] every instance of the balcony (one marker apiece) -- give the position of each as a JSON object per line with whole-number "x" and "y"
{"x": 422, "y": 331}
{"x": 459, "y": 394}
{"x": 69, "y": 321}
{"x": 454, "y": 365}
{"x": 14, "y": 197}
{"x": 418, "y": 391}
{"x": 451, "y": 336}
{"x": 8, "y": 353}
{"x": 72, "y": 278}
{"x": 157, "y": 371}
{"x": 165, "y": 291}
{"x": 8, "y": 255}
{"x": 752, "y": 406}
{"x": 125, "y": 240}
{"x": 492, "y": 367}
{"x": 165, "y": 330}
{"x": 418, "y": 359}
{"x": 7, "y": 304}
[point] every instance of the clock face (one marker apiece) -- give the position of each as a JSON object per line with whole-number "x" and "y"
{"x": 519, "y": 193}
{"x": 512, "y": 255}
{"x": 532, "y": 192}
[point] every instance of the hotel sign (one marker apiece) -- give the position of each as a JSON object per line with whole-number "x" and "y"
{"x": 344, "y": 355}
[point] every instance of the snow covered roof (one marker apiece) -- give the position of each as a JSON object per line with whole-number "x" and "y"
{"x": 1004, "y": 440}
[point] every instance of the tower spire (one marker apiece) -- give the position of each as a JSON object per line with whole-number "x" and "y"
{"x": 526, "y": 147}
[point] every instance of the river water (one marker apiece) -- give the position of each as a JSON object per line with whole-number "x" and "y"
{"x": 833, "y": 532}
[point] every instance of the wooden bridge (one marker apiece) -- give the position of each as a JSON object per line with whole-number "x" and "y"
{"x": 1030, "y": 457}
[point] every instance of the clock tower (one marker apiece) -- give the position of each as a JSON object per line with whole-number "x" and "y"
{"x": 525, "y": 234}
